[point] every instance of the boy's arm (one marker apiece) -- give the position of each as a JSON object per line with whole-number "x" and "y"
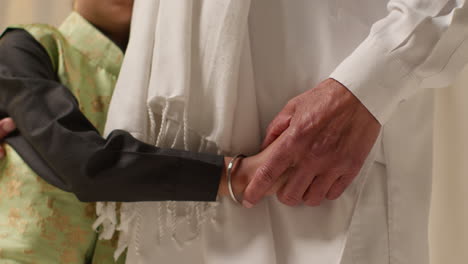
{"x": 63, "y": 147}
{"x": 6, "y": 127}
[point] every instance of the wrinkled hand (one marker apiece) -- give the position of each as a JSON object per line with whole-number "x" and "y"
{"x": 6, "y": 127}
{"x": 321, "y": 140}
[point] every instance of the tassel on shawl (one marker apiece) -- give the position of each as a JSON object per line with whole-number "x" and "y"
{"x": 196, "y": 213}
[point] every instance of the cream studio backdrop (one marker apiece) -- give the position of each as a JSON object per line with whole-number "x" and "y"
{"x": 449, "y": 211}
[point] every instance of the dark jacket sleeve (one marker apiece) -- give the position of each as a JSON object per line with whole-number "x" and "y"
{"x": 63, "y": 147}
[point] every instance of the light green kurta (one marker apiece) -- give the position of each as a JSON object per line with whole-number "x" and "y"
{"x": 38, "y": 222}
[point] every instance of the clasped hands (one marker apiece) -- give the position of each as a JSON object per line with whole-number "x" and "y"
{"x": 312, "y": 151}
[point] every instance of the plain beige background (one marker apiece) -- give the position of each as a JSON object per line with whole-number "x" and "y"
{"x": 449, "y": 212}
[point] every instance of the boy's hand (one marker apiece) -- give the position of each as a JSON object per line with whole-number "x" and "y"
{"x": 6, "y": 127}
{"x": 244, "y": 171}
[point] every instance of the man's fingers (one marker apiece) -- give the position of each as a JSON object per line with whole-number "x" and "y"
{"x": 266, "y": 176}
{"x": 6, "y": 127}
{"x": 292, "y": 192}
{"x": 279, "y": 124}
{"x": 318, "y": 189}
{"x": 278, "y": 185}
{"x": 275, "y": 129}
{"x": 339, "y": 186}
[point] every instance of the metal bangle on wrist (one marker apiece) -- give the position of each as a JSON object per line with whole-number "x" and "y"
{"x": 229, "y": 176}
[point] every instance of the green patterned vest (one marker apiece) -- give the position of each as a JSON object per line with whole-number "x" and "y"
{"x": 38, "y": 222}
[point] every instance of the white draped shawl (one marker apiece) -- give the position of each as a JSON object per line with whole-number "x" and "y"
{"x": 184, "y": 92}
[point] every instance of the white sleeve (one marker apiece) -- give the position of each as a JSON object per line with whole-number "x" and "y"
{"x": 420, "y": 43}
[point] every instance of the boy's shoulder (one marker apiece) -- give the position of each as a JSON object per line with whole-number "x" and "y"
{"x": 48, "y": 36}
{"x": 39, "y": 31}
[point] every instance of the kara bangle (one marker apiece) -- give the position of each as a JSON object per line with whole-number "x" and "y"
{"x": 229, "y": 176}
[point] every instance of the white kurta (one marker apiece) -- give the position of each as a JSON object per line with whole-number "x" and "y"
{"x": 296, "y": 44}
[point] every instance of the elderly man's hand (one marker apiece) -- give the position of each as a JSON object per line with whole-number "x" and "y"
{"x": 322, "y": 138}
{"x": 6, "y": 127}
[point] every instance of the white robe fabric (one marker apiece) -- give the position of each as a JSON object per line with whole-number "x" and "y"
{"x": 292, "y": 46}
